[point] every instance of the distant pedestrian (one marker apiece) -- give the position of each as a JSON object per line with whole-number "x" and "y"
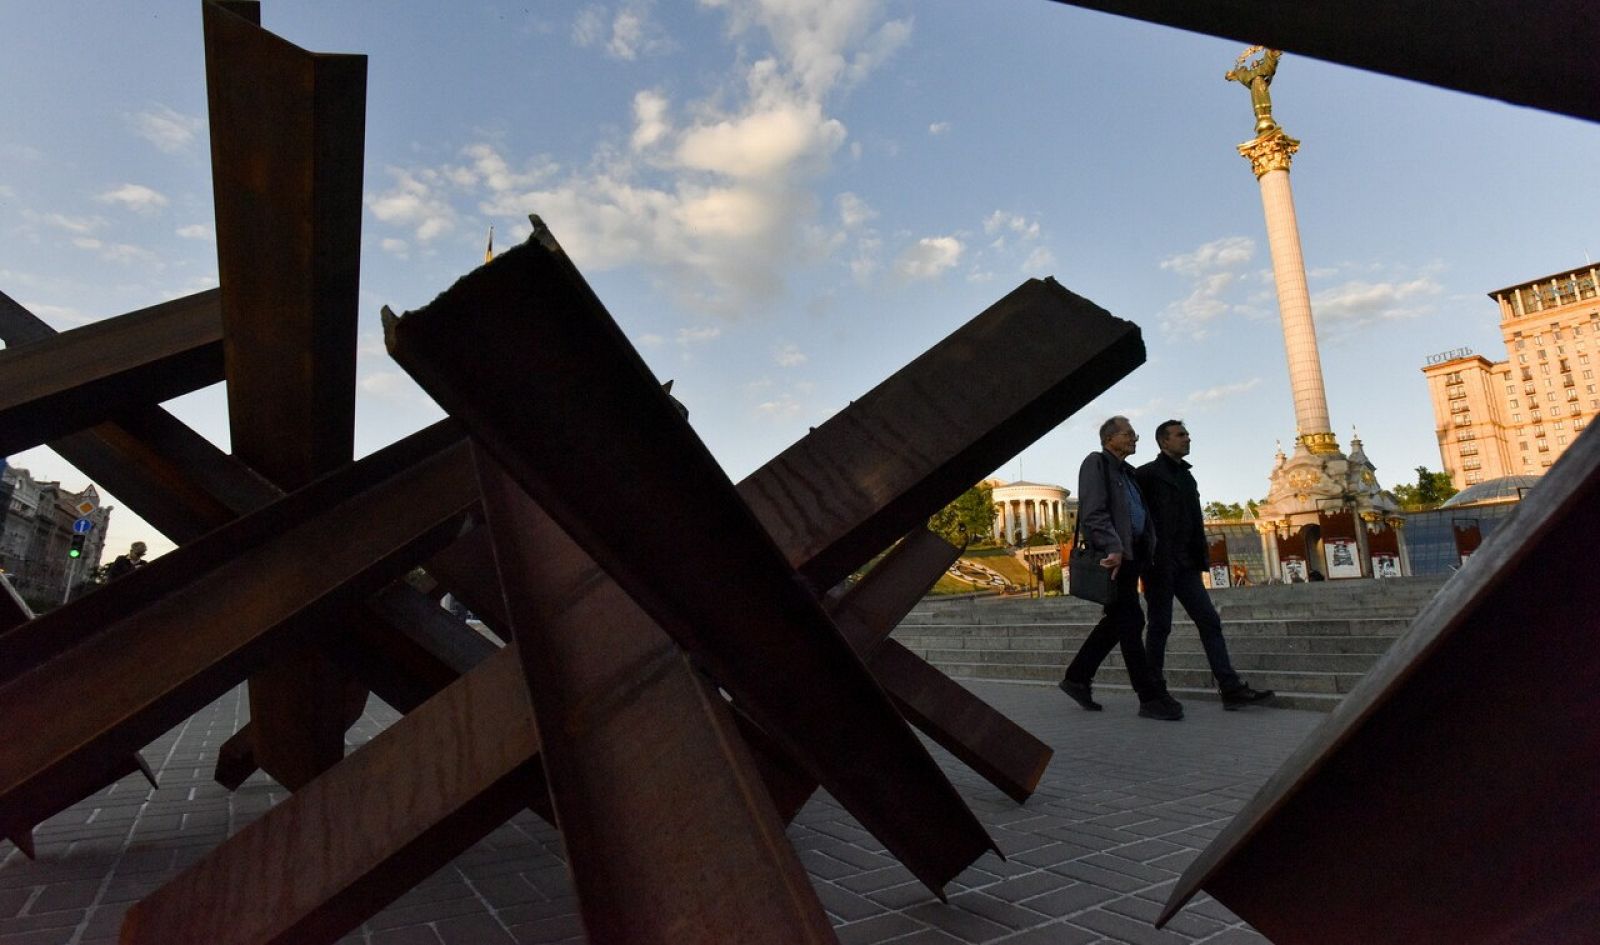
{"x": 128, "y": 563}
{"x": 1181, "y": 555}
{"x": 1115, "y": 523}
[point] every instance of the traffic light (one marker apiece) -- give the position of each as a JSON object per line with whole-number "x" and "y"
{"x": 76, "y": 550}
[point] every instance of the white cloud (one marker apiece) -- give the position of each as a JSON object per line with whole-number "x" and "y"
{"x": 939, "y": 128}
{"x": 135, "y": 197}
{"x": 1211, "y": 395}
{"x": 626, "y": 34}
{"x": 650, "y": 119}
{"x": 789, "y": 355}
{"x": 762, "y": 142}
{"x": 1215, "y": 269}
{"x": 853, "y": 211}
{"x": 1014, "y": 223}
{"x": 589, "y": 26}
{"x": 169, "y": 130}
{"x": 196, "y": 231}
{"x": 930, "y": 256}
{"x": 396, "y": 247}
{"x": 713, "y": 196}
{"x": 1039, "y": 261}
{"x": 701, "y": 335}
{"x": 416, "y": 203}
{"x": 865, "y": 263}
{"x": 80, "y": 225}
{"x": 125, "y": 253}
{"x": 1227, "y": 253}
{"x": 1356, "y": 304}
{"x": 652, "y": 340}
{"x": 6, "y": 191}
{"x": 780, "y": 407}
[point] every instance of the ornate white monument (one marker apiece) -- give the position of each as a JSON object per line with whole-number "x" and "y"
{"x": 1325, "y": 511}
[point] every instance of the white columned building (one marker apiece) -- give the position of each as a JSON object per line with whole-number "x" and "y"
{"x": 1024, "y": 509}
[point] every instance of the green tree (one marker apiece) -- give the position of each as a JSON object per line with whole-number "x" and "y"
{"x": 969, "y": 517}
{"x": 1223, "y": 510}
{"x": 1429, "y": 491}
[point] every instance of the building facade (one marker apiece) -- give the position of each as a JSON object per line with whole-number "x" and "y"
{"x": 1023, "y": 509}
{"x": 1514, "y": 417}
{"x": 37, "y": 531}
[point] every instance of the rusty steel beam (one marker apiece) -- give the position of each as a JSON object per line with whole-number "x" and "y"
{"x": 179, "y": 482}
{"x": 824, "y": 707}
{"x": 1408, "y": 39}
{"x": 315, "y": 866}
{"x": 57, "y": 384}
{"x": 14, "y": 612}
{"x": 1451, "y": 795}
{"x": 1003, "y": 752}
{"x": 173, "y": 477}
{"x": 287, "y": 133}
{"x": 911, "y": 445}
{"x": 657, "y": 841}
{"x": 102, "y": 676}
{"x": 1084, "y": 341}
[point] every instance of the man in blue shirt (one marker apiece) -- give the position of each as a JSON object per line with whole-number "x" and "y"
{"x": 1115, "y": 522}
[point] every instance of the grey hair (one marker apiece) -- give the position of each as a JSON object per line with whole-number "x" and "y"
{"x": 1109, "y": 428}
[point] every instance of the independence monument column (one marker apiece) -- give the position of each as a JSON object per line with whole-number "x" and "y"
{"x": 1269, "y": 153}
{"x": 1324, "y": 511}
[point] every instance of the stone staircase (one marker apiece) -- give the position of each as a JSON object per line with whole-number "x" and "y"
{"x": 1310, "y": 642}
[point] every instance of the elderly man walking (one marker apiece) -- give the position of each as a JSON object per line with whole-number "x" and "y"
{"x": 1181, "y": 554}
{"x": 1113, "y": 518}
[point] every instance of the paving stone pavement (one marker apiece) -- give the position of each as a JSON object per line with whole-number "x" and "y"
{"x": 1125, "y": 806}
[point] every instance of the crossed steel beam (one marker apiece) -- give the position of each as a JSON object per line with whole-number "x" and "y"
{"x": 738, "y": 711}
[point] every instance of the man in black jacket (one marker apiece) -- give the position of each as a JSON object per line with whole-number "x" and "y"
{"x": 1115, "y": 523}
{"x": 1181, "y": 554}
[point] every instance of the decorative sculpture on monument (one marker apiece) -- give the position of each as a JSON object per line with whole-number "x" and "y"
{"x": 1257, "y": 77}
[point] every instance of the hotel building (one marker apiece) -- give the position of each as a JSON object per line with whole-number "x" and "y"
{"x": 1514, "y": 417}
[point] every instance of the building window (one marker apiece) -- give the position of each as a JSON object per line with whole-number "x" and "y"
{"x": 1544, "y": 369}
{"x": 1474, "y": 478}
{"x": 1463, "y": 419}
{"x": 1543, "y": 354}
{"x": 1521, "y": 343}
{"x": 1534, "y": 413}
{"x": 1469, "y": 450}
{"x": 1516, "y": 418}
{"x": 1583, "y": 359}
{"x": 1561, "y": 441}
{"x": 1523, "y": 445}
{"x": 1472, "y": 464}
{"x": 1544, "y": 445}
{"x": 1572, "y": 395}
{"x": 1579, "y": 423}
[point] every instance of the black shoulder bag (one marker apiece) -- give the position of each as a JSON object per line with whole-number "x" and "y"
{"x": 1086, "y": 579}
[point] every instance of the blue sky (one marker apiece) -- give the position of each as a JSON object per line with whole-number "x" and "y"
{"x": 782, "y": 202}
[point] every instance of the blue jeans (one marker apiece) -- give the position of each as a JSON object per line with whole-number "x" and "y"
{"x": 1161, "y": 585}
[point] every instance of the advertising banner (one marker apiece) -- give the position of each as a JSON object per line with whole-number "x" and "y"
{"x": 1341, "y": 554}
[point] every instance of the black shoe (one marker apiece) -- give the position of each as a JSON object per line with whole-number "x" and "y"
{"x": 1080, "y": 693}
{"x": 1243, "y": 695}
{"x": 1164, "y": 708}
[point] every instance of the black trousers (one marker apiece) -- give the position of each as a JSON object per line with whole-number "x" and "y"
{"x": 1122, "y": 625}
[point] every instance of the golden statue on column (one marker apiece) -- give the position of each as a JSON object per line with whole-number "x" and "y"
{"x": 1325, "y": 511}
